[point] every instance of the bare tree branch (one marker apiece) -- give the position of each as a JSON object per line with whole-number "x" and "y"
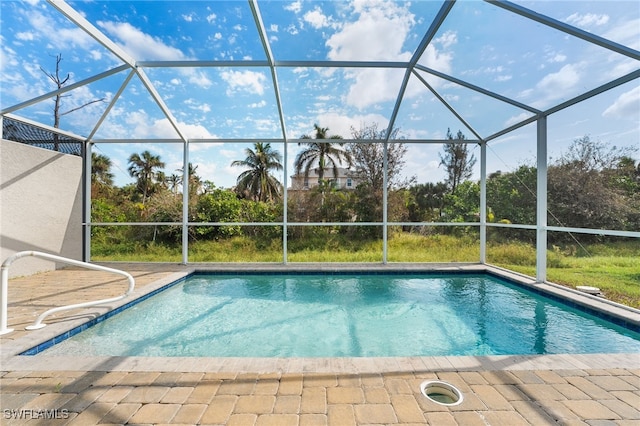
{"x": 60, "y": 82}
{"x": 84, "y": 105}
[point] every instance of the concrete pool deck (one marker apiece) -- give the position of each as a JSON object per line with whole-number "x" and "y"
{"x": 600, "y": 389}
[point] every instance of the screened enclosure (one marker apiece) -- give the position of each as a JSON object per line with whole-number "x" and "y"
{"x": 386, "y": 131}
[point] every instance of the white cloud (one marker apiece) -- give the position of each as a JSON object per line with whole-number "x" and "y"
{"x": 195, "y": 105}
{"x": 316, "y": 18}
{"x": 340, "y": 124}
{"x": 60, "y": 38}
{"x": 587, "y": 20}
{"x": 96, "y": 55}
{"x": 248, "y": 81}
{"x": 198, "y": 78}
{"x": 435, "y": 56}
{"x": 552, "y": 86}
{"x": 8, "y": 56}
{"x": 211, "y": 18}
{"x": 195, "y": 131}
{"x": 139, "y": 44}
{"x": 372, "y": 86}
{"x": 558, "y": 57}
{"x": 188, "y": 18}
{"x": 448, "y": 39}
{"x": 626, "y": 105}
{"x": 274, "y": 28}
{"x": 627, "y": 33}
{"x": 502, "y": 78}
{"x": 26, "y": 36}
{"x": 294, "y": 7}
{"x": 379, "y": 33}
{"x": 516, "y": 119}
{"x": 265, "y": 125}
{"x": 140, "y": 126}
{"x": 292, "y": 29}
{"x": 260, "y": 104}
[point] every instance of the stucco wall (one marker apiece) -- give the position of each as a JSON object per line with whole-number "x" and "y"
{"x": 40, "y": 205}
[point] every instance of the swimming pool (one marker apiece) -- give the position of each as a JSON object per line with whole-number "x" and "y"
{"x": 350, "y": 315}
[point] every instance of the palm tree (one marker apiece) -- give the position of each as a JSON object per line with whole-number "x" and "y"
{"x": 323, "y": 154}
{"x": 144, "y": 167}
{"x": 257, "y": 182}
{"x": 195, "y": 182}
{"x": 101, "y": 169}
{"x": 174, "y": 181}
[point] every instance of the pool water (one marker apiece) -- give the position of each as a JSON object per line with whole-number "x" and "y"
{"x": 347, "y": 315}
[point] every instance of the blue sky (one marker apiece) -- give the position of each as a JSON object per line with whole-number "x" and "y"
{"x": 478, "y": 43}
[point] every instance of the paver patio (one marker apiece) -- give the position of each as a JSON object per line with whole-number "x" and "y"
{"x": 519, "y": 390}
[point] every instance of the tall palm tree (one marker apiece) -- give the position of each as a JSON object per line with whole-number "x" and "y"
{"x": 144, "y": 167}
{"x": 174, "y": 181}
{"x": 195, "y": 182}
{"x": 324, "y": 155}
{"x": 101, "y": 169}
{"x": 257, "y": 182}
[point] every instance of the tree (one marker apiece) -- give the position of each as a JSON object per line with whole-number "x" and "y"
{"x": 101, "y": 176}
{"x": 257, "y": 183}
{"x": 512, "y": 196}
{"x": 324, "y": 155}
{"x": 101, "y": 169}
{"x": 174, "y": 181}
{"x": 463, "y": 205}
{"x": 457, "y": 160}
{"x": 587, "y": 188}
{"x": 60, "y": 82}
{"x": 144, "y": 167}
{"x": 427, "y": 201}
{"x": 195, "y": 182}
{"x": 368, "y": 158}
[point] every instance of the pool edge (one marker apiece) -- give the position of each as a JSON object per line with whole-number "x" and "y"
{"x": 10, "y": 359}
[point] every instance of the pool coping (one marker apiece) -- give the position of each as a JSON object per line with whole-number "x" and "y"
{"x": 12, "y": 361}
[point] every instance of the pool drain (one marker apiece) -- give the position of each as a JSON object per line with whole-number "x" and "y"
{"x": 442, "y": 393}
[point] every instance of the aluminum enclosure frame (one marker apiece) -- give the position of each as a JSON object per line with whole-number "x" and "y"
{"x": 137, "y": 69}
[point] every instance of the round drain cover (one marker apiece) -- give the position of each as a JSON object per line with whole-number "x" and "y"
{"x": 442, "y": 393}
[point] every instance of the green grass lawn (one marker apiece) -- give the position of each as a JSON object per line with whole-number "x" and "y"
{"x": 614, "y": 268}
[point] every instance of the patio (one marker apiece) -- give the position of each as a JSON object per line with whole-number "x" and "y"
{"x": 498, "y": 390}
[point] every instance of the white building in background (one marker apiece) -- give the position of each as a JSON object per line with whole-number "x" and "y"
{"x": 344, "y": 180}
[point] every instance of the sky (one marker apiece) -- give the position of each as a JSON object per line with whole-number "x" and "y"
{"x": 478, "y": 43}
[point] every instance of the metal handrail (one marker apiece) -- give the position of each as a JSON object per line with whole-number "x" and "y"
{"x": 4, "y": 292}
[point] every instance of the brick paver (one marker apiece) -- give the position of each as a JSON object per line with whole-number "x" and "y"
{"x": 320, "y": 405}
{"x": 388, "y": 393}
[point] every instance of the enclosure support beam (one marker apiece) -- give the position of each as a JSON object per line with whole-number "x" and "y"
{"x": 541, "y": 201}
{"x": 483, "y": 202}
{"x": 86, "y": 211}
{"x": 185, "y": 203}
{"x": 385, "y": 199}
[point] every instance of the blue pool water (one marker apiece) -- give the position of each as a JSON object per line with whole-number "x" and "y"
{"x": 348, "y": 315}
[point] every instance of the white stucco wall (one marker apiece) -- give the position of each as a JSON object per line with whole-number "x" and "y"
{"x": 40, "y": 205}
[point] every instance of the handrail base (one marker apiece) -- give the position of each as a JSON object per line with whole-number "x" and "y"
{"x": 35, "y": 327}
{"x": 6, "y": 331}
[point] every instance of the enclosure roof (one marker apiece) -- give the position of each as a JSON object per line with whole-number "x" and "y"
{"x": 269, "y": 70}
